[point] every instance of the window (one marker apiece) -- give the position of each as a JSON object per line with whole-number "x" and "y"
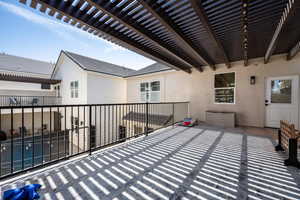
{"x": 74, "y": 89}
{"x": 45, "y": 86}
{"x": 225, "y": 88}
{"x": 281, "y": 91}
{"x": 57, "y": 90}
{"x": 150, "y": 91}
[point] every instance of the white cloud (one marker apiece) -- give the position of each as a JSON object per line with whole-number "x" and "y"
{"x": 66, "y": 31}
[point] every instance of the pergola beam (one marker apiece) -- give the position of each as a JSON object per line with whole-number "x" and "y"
{"x": 147, "y": 35}
{"x": 112, "y": 36}
{"x": 287, "y": 14}
{"x": 197, "y": 6}
{"x": 245, "y": 6}
{"x": 293, "y": 51}
{"x": 188, "y": 47}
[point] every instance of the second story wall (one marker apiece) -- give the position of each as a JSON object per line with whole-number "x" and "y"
{"x": 174, "y": 86}
{"x": 68, "y": 71}
{"x": 105, "y": 89}
{"x": 23, "y": 89}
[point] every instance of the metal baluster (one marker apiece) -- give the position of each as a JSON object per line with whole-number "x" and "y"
{"x": 58, "y": 131}
{"x": 72, "y": 129}
{"x": 147, "y": 118}
{"x": 50, "y": 135}
{"x": 100, "y": 131}
{"x": 104, "y": 125}
{"x": 65, "y": 132}
{"x": 78, "y": 118}
{"x": 22, "y": 132}
{"x": 109, "y": 125}
{"x": 84, "y": 125}
{"x": 90, "y": 125}
{"x": 11, "y": 140}
{"x": 32, "y": 161}
{"x": 0, "y": 143}
{"x": 42, "y": 129}
{"x": 95, "y": 129}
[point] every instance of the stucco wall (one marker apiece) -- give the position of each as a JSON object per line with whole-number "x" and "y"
{"x": 174, "y": 86}
{"x": 250, "y": 99}
{"x": 198, "y": 88}
{"x": 67, "y": 71}
{"x": 105, "y": 89}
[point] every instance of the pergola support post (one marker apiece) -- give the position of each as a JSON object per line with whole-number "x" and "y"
{"x": 293, "y": 154}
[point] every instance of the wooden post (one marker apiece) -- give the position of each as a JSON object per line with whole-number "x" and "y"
{"x": 293, "y": 159}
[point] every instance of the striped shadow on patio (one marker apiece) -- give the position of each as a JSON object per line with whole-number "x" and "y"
{"x": 174, "y": 163}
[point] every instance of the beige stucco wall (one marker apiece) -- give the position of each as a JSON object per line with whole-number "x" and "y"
{"x": 250, "y": 99}
{"x": 198, "y": 88}
{"x": 103, "y": 88}
{"x": 170, "y": 88}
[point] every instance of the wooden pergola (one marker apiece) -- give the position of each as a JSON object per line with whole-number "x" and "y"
{"x": 187, "y": 34}
{"x": 27, "y": 79}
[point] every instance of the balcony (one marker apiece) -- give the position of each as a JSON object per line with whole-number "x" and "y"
{"x": 174, "y": 163}
{"x": 12, "y": 100}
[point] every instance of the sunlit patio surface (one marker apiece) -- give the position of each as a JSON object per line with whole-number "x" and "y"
{"x": 175, "y": 163}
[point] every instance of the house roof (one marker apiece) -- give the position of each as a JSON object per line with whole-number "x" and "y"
{"x": 91, "y": 64}
{"x": 156, "y": 67}
{"x": 25, "y": 65}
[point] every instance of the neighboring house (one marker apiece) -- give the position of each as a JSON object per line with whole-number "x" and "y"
{"x": 25, "y": 82}
{"x": 24, "y": 67}
{"x": 90, "y": 81}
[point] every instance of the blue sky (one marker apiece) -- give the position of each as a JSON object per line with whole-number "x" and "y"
{"x": 28, "y": 33}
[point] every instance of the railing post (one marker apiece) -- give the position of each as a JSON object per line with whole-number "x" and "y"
{"x": 279, "y": 146}
{"x": 293, "y": 159}
{"x": 90, "y": 131}
{"x": 147, "y": 118}
{"x": 173, "y": 112}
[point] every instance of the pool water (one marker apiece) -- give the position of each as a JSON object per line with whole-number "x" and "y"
{"x": 36, "y": 151}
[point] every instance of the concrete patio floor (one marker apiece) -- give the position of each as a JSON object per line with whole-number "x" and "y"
{"x": 175, "y": 163}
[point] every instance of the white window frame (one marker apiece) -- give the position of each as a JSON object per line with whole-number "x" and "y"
{"x": 74, "y": 90}
{"x": 149, "y": 91}
{"x": 234, "y": 89}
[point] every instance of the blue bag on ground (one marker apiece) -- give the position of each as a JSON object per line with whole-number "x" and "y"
{"x": 28, "y": 192}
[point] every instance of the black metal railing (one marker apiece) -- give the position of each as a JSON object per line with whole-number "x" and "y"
{"x": 14, "y": 100}
{"x": 35, "y": 136}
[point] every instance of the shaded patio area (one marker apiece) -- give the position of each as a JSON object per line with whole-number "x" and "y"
{"x": 175, "y": 163}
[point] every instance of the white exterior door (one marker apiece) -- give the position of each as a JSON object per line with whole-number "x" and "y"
{"x": 282, "y": 100}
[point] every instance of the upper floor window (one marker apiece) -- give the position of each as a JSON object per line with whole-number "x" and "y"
{"x": 74, "y": 89}
{"x": 45, "y": 86}
{"x": 150, "y": 91}
{"x": 225, "y": 88}
{"x": 57, "y": 90}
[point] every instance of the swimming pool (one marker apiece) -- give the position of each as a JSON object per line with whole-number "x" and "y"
{"x": 34, "y": 151}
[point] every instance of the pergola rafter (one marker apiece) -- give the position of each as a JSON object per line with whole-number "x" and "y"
{"x": 186, "y": 34}
{"x": 205, "y": 22}
{"x": 287, "y": 15}
{"x": 80, "y": 19}
{"x": 106, "y": 8}
{"x": 245, "y": 30}
{"x": 172, "y": 28}
{"x": 293, "y": 51}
